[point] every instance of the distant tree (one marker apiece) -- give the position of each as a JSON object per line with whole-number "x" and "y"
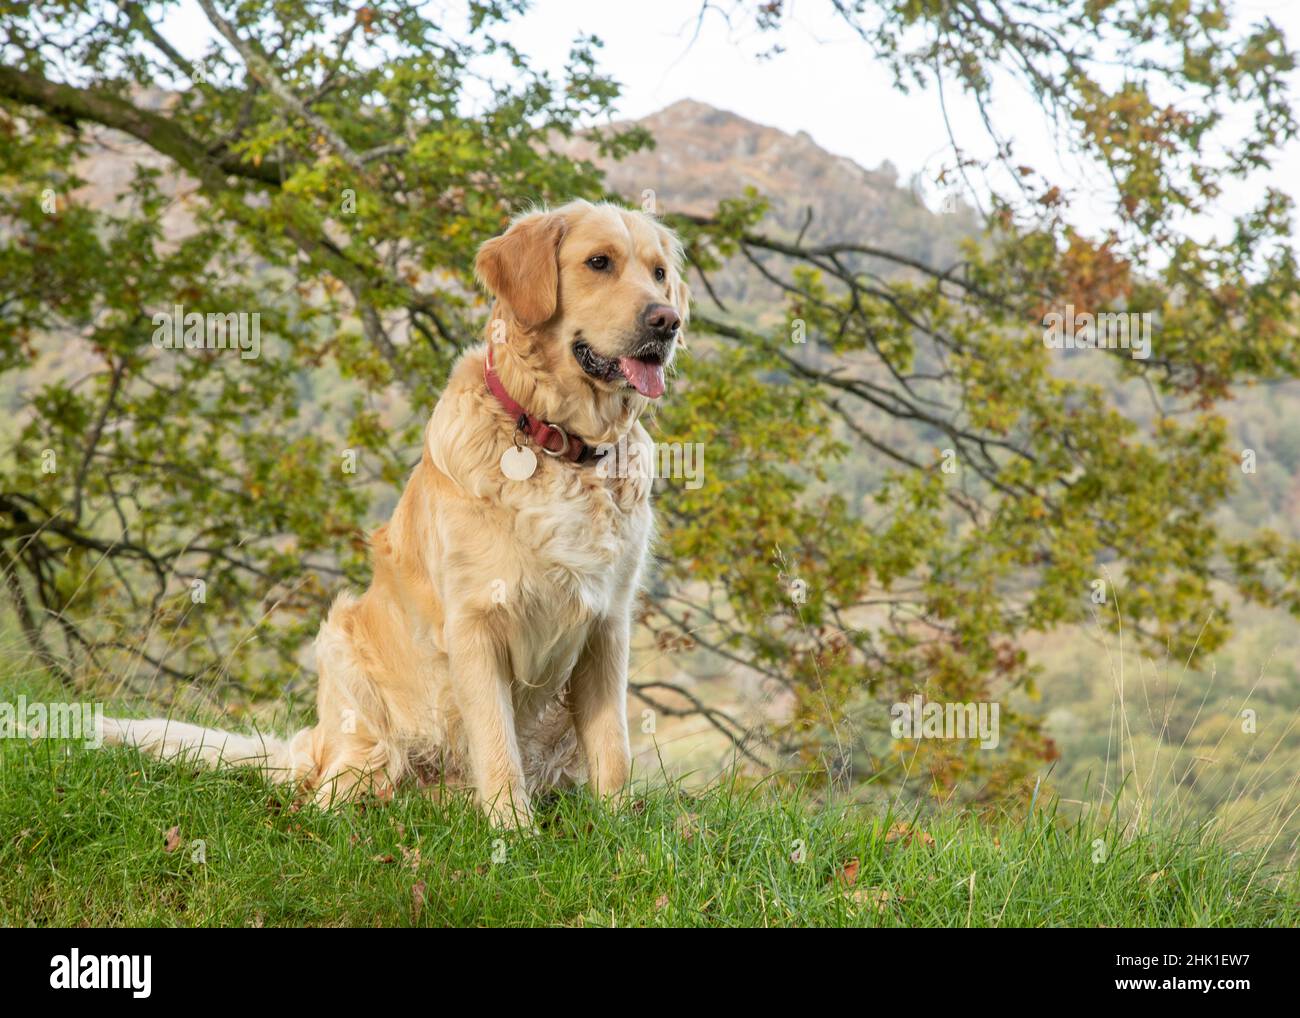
{"x": 342, "y": 161}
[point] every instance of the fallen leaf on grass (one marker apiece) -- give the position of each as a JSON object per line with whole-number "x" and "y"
{"x": 383, "y": 859}
{"x": 172, "y": 840}
{"x": 417, "y": 899}
{"x": 410, "y": 856}
{"x": 661, "y": 902}
{"x": 876, "y": 896}
{"x": 905, "y": 833}
{"x": 848, "y": 874}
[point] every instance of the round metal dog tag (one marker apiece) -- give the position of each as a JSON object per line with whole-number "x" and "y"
{"x": 518, "y": 462}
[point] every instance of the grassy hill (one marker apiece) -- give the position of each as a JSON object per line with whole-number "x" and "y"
{"x": 106, "y": 838}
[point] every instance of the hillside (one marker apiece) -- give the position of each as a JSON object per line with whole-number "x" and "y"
{"x": 704, "y": 155}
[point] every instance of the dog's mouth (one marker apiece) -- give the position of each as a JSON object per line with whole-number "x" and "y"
{"x": 643, "y": 370}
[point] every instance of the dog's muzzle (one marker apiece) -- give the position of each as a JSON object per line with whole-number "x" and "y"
{"x": 642, "y": 367}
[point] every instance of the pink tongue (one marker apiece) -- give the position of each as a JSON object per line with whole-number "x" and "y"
{"x": 646, "y": 378}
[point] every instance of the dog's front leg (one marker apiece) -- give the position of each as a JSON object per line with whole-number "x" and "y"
{"x": 480, "y": 681}
{"x": 598, "y": 697}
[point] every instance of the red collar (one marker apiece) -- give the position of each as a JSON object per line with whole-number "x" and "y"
{"x": 551, "y": 438}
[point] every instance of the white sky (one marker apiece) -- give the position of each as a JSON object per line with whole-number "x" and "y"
{"x": 824, "y": 84}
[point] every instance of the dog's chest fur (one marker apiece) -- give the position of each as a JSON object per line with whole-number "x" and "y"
{"x": 585, "y": 538}
{"x": 585, "y": 532}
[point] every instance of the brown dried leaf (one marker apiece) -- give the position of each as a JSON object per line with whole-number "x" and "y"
{"x": 878, "y": 897}
{"x": 410, "y": 856}
{"x": 848, "y": 874}
{"x": 904, "y": 832}
{"x": 172, "y": 840}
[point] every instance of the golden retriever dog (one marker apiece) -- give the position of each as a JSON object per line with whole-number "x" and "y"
{"x": 492, "y": 644}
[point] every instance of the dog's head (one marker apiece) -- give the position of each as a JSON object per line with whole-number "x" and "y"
{"x": 595, "y": 293}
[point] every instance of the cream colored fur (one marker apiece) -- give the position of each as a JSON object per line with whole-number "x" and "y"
{"x": 492, "y": 644}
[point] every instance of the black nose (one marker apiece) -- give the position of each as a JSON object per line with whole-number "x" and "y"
{"x": 661, "y": 318}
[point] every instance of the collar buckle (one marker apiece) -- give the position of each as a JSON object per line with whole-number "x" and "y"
{"x": 571, "y": 448}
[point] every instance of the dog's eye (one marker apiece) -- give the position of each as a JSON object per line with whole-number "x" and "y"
{"x": 599, "y": 262}
{"x": 660, "y": 274}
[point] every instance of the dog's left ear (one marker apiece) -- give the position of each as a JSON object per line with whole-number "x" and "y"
{"x": 679, "y": 293}
{"x": 682, "y": 300}
{"x": 521, "y": 267}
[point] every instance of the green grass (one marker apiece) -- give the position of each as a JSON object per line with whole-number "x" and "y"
{"x": 82, "y": 842}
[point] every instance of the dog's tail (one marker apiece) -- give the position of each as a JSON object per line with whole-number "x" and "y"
{"x": 281, "y": 759}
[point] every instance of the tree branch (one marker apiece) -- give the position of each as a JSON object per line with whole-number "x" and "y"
{"x": 100, "y": 106}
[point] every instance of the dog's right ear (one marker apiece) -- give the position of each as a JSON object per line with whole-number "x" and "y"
{"x": 521, "y": 267}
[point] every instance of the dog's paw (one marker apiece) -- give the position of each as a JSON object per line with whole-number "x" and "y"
{"x": 511, "y": 815}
